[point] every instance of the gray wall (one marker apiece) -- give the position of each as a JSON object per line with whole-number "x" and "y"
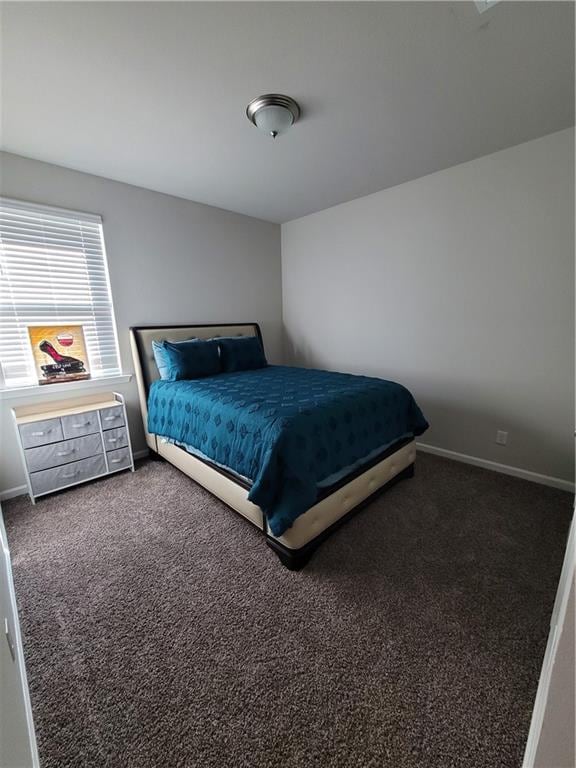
{"x": 170, "y": 261}
{"x": 460, "y": 285}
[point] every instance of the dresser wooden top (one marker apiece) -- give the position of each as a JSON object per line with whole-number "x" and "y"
{"x": 25, "y": 414}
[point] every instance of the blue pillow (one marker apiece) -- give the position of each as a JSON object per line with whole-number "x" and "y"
{"x": 192, "y": 359}
{"x": 244, "y": 353}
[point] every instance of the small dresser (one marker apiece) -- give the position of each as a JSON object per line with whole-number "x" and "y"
{"x": 71, "y": 441}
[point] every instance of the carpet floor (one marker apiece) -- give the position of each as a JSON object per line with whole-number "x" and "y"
{"x": 160, "y": 631}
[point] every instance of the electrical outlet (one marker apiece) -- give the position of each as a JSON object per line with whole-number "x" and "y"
{"x": 501, "y": 437}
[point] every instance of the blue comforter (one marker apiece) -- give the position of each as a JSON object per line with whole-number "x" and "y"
{"x": 286, "y": 429}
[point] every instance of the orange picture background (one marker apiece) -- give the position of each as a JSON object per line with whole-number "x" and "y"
{"x": 67, "y": 340}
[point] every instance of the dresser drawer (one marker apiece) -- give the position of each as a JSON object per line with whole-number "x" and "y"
{"x": 58, "y": 477}
{"x": 54, "y": 454}
{"x": 115, "y": 438}
{"x": 40, "y": 432}
{"x": 112, "y": 417}
{"x": 80, "y": 424}
{"x": 119, "y": 459}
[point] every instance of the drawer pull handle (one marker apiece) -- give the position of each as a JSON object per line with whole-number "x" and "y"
{"x": 116, "y": 461}
{"x": 70, "y": 474}
{"x": 41, "y": 434}
{"x": 111, "y": 418}
{"x": 112, "y": 439}
{"x": 80, "y": 426}
{"x": 65, "y": 453}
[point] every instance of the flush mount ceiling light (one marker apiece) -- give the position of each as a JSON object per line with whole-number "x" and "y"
{"x": 273, "y": 113}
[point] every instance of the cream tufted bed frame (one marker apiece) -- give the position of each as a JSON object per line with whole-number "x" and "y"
{"x": 336, "y": 504}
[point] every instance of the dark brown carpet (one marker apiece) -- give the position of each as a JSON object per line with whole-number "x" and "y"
{"x": 159, "y": 630}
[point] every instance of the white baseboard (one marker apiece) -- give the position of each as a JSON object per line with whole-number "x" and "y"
{"x": 21, "y": 490}
{"x": 11, "y": 493}
{"x": 505, "y": 469}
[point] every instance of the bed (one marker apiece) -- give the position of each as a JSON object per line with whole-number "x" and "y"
{"x": 294, "y": 451}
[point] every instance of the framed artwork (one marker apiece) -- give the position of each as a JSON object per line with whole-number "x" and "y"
{"x": 59, "y": 353}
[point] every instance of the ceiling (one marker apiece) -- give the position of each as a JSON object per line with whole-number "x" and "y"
{"x": 154, "y": 94}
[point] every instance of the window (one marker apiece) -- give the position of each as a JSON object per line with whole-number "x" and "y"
{"x": 53, "y": 270}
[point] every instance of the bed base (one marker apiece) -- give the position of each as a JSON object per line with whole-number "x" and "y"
{"x": 296, "y": 559}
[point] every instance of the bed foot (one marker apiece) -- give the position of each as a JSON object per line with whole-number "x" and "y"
{"x": 293, "y": 559}
{"x": 296, "y": 559}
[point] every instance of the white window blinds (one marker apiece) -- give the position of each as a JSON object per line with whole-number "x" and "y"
{"x": 53, "y": 270}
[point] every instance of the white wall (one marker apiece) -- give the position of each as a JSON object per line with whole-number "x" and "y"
{"x": 170, "y": 261}
{"x": 460, "y": 285}
{"x": 556, "y": 745}
{"x": 17, "y": 738}
{"x": 551, "y": 739}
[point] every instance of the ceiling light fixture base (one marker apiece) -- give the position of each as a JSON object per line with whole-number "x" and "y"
{"x": 273, "y": 113}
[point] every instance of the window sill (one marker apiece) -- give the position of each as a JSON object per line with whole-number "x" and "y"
{"x": 36, "y": 390}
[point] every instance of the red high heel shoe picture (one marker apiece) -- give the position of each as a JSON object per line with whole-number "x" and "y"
{"x": 59, "y": 353}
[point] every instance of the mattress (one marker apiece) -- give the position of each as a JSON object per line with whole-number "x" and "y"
{"x": 288, "y": 430}
{"x": 324, "y": 486}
